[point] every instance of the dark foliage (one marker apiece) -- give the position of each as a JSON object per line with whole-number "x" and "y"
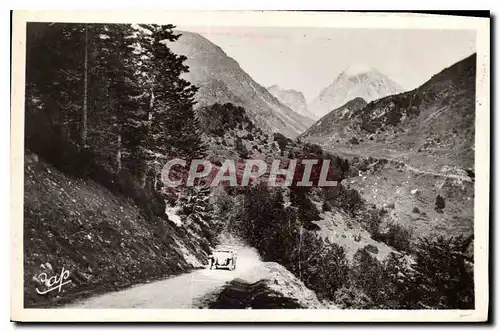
{"x": 241, "y": 149}
{"x": 107, "y": 101}
{"x": 444, "y": 273}
{"x": 217, "y": 119}
{"x": 398, "y": 236}
{"x": 279, "y": 235}
{"x": 282, "y": 140}
{"x": 307, "y": 211}
{"x": 439, "y": 203}
{"x": 353, "y": 141}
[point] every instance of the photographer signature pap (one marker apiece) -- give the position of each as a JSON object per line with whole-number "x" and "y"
{"x": 54, "y": 282}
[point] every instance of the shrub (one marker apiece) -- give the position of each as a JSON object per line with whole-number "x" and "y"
{"x": 399, "y": 237}
{"x": 353, "y": 172}
{"x": 306, "y": 208}
{"x": 440, "y": 277}
{"x": 217, "y": 119}
{"x": 321, "y": 264}
{"x": 348, "y": 200}
{"x": 281, "y": 140}
{"x": 444, "y": 273}
{"x": 241, "y": 149}
{"x": 371, "y": 248}
{"x": 352, "y": 297}
{"x": 400, "y": 276}
{"x": 310, "y": 226}
{"x": 367, "y": 274}
{"x": 371, "y": 221}
{"x": 353, "y": 141}
{"x": 439, "y": 204}
{"x": 326, "y": 206}
{"x": 279, "y": 235}
{"x": 313, "y": 149}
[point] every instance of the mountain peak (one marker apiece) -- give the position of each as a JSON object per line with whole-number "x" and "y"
{"x": 291, "y": 98}
{"x": 356, "y": 69}
{"x": 220, "y": 79}
{"x": 357, "y": 80}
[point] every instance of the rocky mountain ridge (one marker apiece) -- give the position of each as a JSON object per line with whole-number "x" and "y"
{"x": 294, "y": 99}
{"x": 220, "y": 79}
{"x": 354, "y": 81}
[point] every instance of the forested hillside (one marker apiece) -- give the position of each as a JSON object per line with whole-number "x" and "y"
{"x": 111, "y": 90}
{"x": 106, "y": 107}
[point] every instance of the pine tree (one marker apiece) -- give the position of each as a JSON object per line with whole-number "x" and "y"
{"x": 114, "y": 89}
{"x": 172, "y": 125}
{"x": 54, "y": 76}
{"x": 119, "y": 112}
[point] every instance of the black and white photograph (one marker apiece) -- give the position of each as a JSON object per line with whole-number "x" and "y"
{"x": 205, "y": 162}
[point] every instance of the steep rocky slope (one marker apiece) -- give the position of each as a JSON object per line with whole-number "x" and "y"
{"x": 354, "y": 81}
{"x": 409, "y": 196}
{"x": 334, "y": 123}
{"x": 221, "y": 80}
{"x": 291, "y": 98}
{"x": 103, "y": 240}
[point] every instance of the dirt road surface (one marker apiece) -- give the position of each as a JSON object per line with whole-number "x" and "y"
{"x": 179, "y": 292}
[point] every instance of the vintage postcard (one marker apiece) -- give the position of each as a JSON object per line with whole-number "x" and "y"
{"x": 307, "y": 166}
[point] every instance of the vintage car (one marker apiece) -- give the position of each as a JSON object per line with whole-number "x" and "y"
{"x": 223, "y": 259}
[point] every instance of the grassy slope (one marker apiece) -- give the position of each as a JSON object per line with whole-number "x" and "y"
{"x": 101, "y": 238}
{"x": 341, "y": 229}
{"x": 393, "y": 185}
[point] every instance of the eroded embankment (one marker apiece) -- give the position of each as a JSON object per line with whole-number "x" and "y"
{"x": 101, "y": 238}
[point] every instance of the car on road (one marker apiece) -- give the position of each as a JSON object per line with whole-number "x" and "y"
{"x": 223, "y": 259}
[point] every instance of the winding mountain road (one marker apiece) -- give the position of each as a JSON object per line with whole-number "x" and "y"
{"x": 179, "y": 292}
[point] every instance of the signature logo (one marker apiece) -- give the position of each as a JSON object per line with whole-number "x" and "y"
{"x": 54, "y": 282}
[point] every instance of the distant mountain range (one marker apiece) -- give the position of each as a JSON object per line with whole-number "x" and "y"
{"x": 291, "y": 98}
{"x": 221, "y": 80}
{"x": 354, "y": 81}
{"x": 436, "y": 119}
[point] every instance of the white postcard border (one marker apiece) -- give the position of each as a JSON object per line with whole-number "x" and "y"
{"x": 256, "y": 18}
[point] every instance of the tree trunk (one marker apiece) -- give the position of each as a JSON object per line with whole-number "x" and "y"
{"x": 300, "y": 258}
{"x": 150, "y": 111}
{"x": 119, "y": 154}
{"x": 144, "y": 176}
{"x": 156, "y": 184}
{"x": 85, "y": 91}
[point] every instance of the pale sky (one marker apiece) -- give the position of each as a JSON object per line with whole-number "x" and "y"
{"x": 309, "y": 59}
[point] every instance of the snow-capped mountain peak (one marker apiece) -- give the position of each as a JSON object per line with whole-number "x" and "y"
{"x": 356, "y": 69}
{"x": 357, "y": 80}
